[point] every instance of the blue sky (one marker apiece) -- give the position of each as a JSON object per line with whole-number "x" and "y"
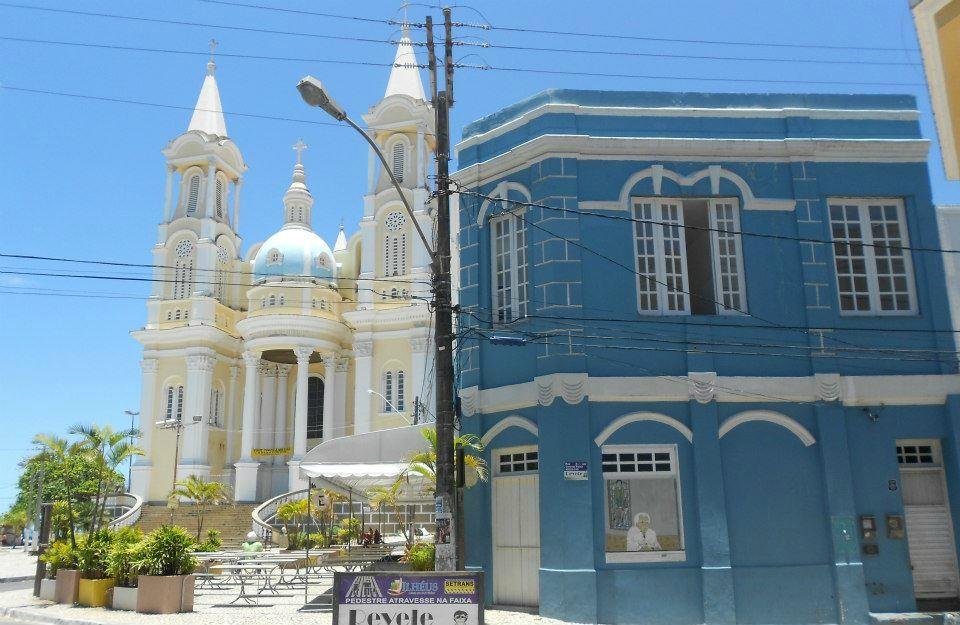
{"x": 84, "y": 178}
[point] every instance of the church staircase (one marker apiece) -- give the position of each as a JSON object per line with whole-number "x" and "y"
{"x": 233, "y": 520}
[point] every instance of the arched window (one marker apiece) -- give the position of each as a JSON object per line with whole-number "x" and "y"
{"x": 387, "y": 391}
{"x": 274, "y": 257}
{"x": 223, "y": 258}
{"x": 174, "y": 402}
{"x": 395, "y": 245}
{"x": 219, "y": 208}
{"x": 216, "y": 407}
{"x": 508, "y": 239}
{"x": 314, "y": 408}
{"x": 323, "y": 261}
{"x": 183, "y": 269}
{"x": 399, "y": 155}
{"x": 272, "y": 301}
{"x": 394, "y": 391}
{"x": 400, "y": 391}
{"x": 193, "y": 193}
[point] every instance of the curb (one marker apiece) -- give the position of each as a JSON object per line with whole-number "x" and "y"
{"x": 22, "y": 578}
{"x": 30, "y": 616}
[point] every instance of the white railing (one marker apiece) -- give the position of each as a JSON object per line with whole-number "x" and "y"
{"x": 265, "y": 514}
{"x": 125, "y": 509}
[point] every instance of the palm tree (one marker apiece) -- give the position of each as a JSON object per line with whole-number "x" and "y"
{"x": 389, "y": 496}
{"x": 203, "y": 493}
{"x": 60, "y": 451}
{"x": 110, "y": 448}
{"x": 424, "y": 463}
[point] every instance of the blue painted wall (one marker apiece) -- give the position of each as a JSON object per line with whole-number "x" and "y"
{"x": 762, "y": 511}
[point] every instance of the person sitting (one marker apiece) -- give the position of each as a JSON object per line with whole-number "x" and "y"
{"x": 377, "y": 537}
{"x": 251, "y": 544}
{"x": 641, "y": 537}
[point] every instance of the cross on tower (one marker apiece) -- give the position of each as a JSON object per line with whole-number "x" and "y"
{"x": 213, "y": 46}
{"x": 300, "y": 146}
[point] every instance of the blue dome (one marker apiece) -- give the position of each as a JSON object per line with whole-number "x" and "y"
{"x": 295, "y": 251}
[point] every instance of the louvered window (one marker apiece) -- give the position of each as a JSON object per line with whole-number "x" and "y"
{"x": 398, "y": 160}
{"x": 387, "y": 391}
{"x": 174, "y": 403}
{"x": 219, "y": 198}
{"x": 193, "y": 194}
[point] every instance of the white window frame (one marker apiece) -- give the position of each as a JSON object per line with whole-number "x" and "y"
{"x": 677, "y": 302}
{"x": 625, "y": 557}
{"x": 869, "y": 255}
{"x": 519, "y": 258}
{"x": 525, "y": 450}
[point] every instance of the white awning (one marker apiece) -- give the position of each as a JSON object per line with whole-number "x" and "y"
{"x": 353, "y": 465}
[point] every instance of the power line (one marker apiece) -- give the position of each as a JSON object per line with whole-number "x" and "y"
{"x": 762, "y": 235}
{"x": 303, "y": 12}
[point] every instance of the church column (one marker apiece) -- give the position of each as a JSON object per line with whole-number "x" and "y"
{"x": 340, "y": 401}
{"x": 373, "y": 163}
{"x": 208, "y": 210}
{"x": 268, "y": 407}
{"x": 421, "y": 161}
{"x": 280, "y": 423}
{"x": 362, "y": 352}
{"x": 418, "y": 369}
{"x": 300, "y": 418}
{"x": 236, "y": 204}
{"x": 245, "y": 483}
{"x": 168, "y": 195}
{"x": 140, "y": 475}
{"x": 231, "y": 420}
{"x": 329, "y": 393}
{"x": 194, "y": 455}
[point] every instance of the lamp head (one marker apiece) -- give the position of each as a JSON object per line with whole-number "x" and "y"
{"x": 313, "y": 93}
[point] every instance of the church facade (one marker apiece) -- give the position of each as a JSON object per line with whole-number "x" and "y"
{"x": 252, "y": 357}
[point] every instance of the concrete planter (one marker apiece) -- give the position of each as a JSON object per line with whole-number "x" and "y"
{"x": 48, "y": 589}
{"x": 93, "y": 592}
{"x": 165, "y": 594}
{"x": 68, "y": 585}
{"x": 124, "y": 598}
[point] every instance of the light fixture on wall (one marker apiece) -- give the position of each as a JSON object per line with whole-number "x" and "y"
{"x": 873, "y": 413}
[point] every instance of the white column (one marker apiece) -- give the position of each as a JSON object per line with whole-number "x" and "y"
{"x": 208, "y": 210}
{"x": 168, "y": 195}
{"x": 196, "y": 432}
{"x": 140, "y": 475}
{"x": 373, "y": 163}
{"x": 280, "y": 423}
{"x": 329, "y": 393}
{"x": 231, "y": 421}
{"x": 419, "y": 368}
{"x": 268, "y": 407}
{"x": 420, "y": 160}
{"x": 245, "y": 488}
{"x": 300, "y": 409}
{"x": 236, "y": 204}
{"x": 363, "y": 361}
{"x": 340, "y": 400}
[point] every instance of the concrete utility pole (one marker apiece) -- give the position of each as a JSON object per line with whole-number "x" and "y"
{"x": 446, "y": 553}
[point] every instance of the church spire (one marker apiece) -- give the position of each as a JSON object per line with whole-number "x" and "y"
{"x": 208, "y": 113}
{"x": 405, "y": 74}
{"x": 341, "y": 243}
{"x": 298, "y": 201}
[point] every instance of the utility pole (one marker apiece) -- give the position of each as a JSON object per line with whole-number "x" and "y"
{"x": 446, "y": 559}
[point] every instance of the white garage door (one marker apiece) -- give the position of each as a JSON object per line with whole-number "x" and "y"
{"x": 933, "y": 554}
{"x": 516, "y": 526}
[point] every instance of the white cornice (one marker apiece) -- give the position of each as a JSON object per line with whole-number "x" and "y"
{"x": 375, "y": 320}
{"x": 282, "y": 327}
{"x": 655, "y": 149}
{"x": 186, "y": 336}
{"x": 906, "y": 390}
{"x": 668, "y": 111}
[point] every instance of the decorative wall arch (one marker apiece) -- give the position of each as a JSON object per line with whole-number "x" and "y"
{"x": 715, "y": 173}
{"x": 513, "y": 421}
{"x": 771, "y": 417}
{"x": 502, "y": 190}
{"x": 634, "y": 417}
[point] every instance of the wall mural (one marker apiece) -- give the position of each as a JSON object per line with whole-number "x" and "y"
{"x": 618, "y": 505}
{"x": 643, "y": 515}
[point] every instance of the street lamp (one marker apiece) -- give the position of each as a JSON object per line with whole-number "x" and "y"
{"x": 370, "y": 391}
{"x": 315, "y": 94}
{"x": 176, "y": 425}
{"x": 133, "y": 415}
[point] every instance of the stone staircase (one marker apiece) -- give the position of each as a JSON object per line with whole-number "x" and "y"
{"x": 233, "y": 520}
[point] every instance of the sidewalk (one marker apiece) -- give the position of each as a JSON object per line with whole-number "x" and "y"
{"x": 19, "y": 603}
{"x": 16, "y": 564}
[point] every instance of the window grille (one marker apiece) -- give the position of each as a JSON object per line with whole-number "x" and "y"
{"x": 518, "y": 462}
{"x": 509, "y": 256}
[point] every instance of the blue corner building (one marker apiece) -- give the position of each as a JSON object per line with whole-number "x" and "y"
{"x": 706, "y": 343}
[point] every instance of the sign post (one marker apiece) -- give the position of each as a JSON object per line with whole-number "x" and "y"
{"x": 411, "y": 598}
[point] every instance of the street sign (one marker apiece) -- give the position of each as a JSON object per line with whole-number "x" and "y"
{"x": 410, "y": 598}
{"x": 574, "y": 470}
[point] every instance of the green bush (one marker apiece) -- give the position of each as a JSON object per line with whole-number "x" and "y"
{"x": 120, "y": 563}
{"x": 212, "y": 543}
{"x": 92, "y": 552}
{"x": 349, "y": 530}
{"x": 421, "y": 556}
{"x": 59, "y": 555}
{"x": 167, "y": 550}
{"x": 319, "y": 540}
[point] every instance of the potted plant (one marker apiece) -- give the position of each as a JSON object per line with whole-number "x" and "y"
{"x": 58, "y": 556}
{"x": 61, "y": 559}
{"x": 92, "y": 561}
{"x": 123, "y": 552}
{"x": 420, "y": 556}
{"x": 164, "y": 564}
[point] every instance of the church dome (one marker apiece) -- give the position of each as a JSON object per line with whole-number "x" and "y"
{"x": 294, "y": 251}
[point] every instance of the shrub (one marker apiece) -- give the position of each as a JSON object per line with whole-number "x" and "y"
{"x": 120, "y": 563}
{"x": 421, "y": 556}
{"x": 349, "y": 530}
{"x": 59, "y": 555}
{"x": 92, "y": 552}
{"x": 212, "y": 543}
{"x": 167, "y": 550}
{"x": 319, "y": 540}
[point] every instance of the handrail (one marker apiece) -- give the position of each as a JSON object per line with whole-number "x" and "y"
{"x": 268, "y": 510}
{"x": 132, "y": 515}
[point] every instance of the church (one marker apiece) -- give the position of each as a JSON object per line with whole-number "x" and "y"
{"x": 253, "y": 357}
